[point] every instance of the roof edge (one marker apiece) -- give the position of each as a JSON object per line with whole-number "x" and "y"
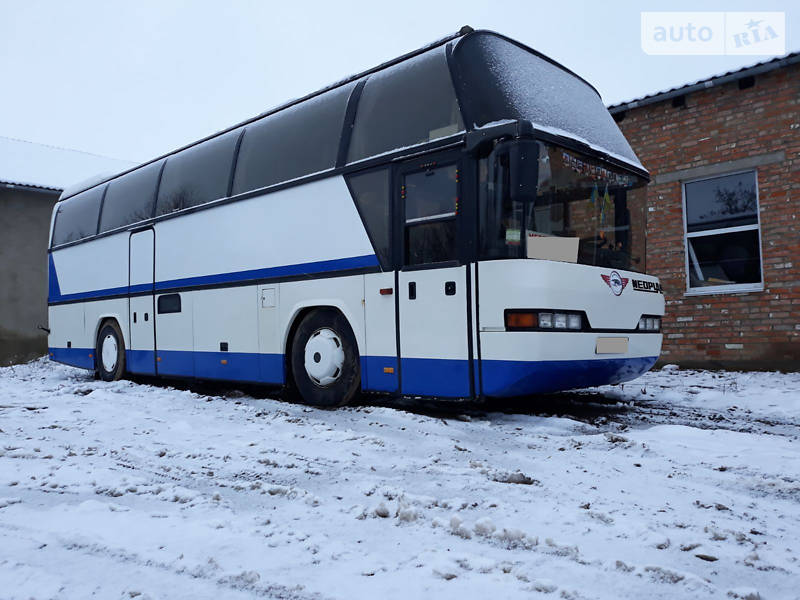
{"x": 703, "y": 84}
{"x": 533, "y": 51}
{"x": 18, "y": 185}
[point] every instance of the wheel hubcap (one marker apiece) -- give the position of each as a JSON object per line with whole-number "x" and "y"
{"x": 324, "y": 357}
{"x": 109, "y": 353}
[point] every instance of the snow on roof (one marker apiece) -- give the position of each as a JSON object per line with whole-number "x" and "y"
{"x": 37, "y": 165}
{"x": 755, "y": 69}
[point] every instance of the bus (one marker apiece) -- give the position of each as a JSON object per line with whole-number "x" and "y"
{"x": 464, "y": 222}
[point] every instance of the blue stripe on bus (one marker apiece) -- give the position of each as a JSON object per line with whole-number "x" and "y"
{"x": 241, "y": 366}
{"x": 421, "y": 376}
{"x": 373, "y": 376}
{"x": 178, "y": 363}
{"x": 93, "y": 295}
{"x": 446, "y": 378}
{"x": 505, "y": 378}
{"x": 53, "y": 289}
{"x": 140, "y": 362}
{"x": 238, "y": 366}
{"x": 310, "y": 268}
{"x": 76, "y": 357}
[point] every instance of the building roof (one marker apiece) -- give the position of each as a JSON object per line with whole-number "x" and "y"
{"x": 48, "y": 167}
{"x": 701, "y": 84}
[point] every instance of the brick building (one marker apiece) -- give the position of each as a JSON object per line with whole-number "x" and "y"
{"x": 723, "y": 232}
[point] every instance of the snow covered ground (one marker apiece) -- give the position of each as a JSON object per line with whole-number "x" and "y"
{"x": 683, "y": 484}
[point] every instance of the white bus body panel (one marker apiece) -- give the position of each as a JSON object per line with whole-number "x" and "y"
{"x": 379, "y": 368}
{"x": 140, "y": 351}
{"x": 96, "y": 269}
{"x": 272, "y": 235}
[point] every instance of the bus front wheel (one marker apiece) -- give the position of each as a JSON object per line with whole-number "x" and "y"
{"x": 324, "y": 361}
{"x": 110, "y": 352}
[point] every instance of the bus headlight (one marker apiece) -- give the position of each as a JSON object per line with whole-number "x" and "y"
{"x": 650, "y": 323}
{"x": 526, "y": 320}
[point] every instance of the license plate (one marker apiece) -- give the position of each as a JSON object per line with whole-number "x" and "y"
{"x": 612, "y": 345}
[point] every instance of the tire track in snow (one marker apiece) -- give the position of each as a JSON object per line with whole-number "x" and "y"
{"x": 245, "y": 581}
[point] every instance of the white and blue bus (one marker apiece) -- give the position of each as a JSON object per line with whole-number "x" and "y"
{"x": 466, "y": 221}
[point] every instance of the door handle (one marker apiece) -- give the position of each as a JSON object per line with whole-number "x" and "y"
{"x": 134, "y": 317}
{"x": 412, "y": 290}
{"x": 450, "y": 288}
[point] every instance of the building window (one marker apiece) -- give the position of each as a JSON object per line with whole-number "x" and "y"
{"x": 723, "y": 242}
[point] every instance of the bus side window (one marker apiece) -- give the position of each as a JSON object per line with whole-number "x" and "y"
{"x": 169, "y": 303}
{"x": 430, "y": 201}
{"x": 371, "y": 193}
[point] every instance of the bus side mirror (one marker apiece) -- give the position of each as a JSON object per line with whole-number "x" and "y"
{"x": 524, "y": 165}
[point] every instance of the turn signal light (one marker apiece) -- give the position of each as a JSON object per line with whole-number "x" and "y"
{"x": 522, "y": 320}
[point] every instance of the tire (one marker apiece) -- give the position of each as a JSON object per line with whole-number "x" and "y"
{"x": 324, "y": 359}
{"x": 110, "y": 352}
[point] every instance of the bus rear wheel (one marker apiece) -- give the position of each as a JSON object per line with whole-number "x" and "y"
{"x": 324, "y": 359}
{"x": 110, "y": 352}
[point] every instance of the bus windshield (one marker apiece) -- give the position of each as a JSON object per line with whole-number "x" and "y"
{"x": 577, "y": 209}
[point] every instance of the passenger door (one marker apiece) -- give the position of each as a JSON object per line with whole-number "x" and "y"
{"x": 432, "y": 285}
{"x": 140, "y": 357}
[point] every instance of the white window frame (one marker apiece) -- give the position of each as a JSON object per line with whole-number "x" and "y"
{"x": 733, "y": 288}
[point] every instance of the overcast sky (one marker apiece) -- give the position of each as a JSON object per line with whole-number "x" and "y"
{"x": 136, "y": 79}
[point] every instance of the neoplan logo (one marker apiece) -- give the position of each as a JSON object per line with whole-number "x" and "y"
{"x": 640, "y": 285}
{"x": 616, "y": 282}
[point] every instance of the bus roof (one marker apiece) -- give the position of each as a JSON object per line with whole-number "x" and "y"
{"x": 468, "y": 45}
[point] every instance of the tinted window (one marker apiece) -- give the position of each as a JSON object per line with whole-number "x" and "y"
{"x": 409, "y": 103}
{"x": 293, "y": 142}
{"x": 728, "y": 201}
{"x": 198, "y": 174}
{"x": 431, "y": 242}
{"x": 432, "y": 193}
{"x": 170, "y": 303}
{"x": 371, "y": 193}
{"x": 77, "y": 216}
{"x": 430, "y": 201}
{"x": 498, "y": 79}
{"x": 130, "y": 198}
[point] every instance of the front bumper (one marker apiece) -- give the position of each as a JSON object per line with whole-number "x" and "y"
{"x": 515, "y": 363}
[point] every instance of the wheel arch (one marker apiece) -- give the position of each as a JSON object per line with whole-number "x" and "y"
{"x": 104, "y": 318}
{"x": 301, "y": 310}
